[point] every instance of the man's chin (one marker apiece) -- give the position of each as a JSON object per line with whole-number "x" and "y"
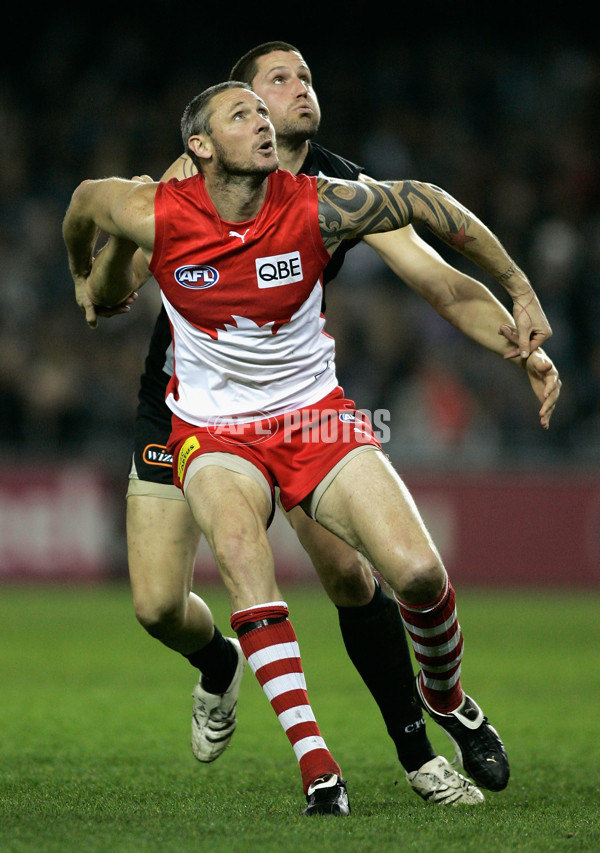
{"x": 295, "y": 133}
{"x": 258, "y": 169}
{"x": 269, "y": 168}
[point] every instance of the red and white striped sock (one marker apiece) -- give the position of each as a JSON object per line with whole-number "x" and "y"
{"x": 274, "y": 656}
{"x": 438, "y": 643}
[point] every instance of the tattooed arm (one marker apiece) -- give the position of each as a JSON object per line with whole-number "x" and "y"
{"x": 181, "y": 168}
{"x": 355, "y": 209}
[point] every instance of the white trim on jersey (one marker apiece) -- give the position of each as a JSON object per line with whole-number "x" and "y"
{"x": 248, "y": 372}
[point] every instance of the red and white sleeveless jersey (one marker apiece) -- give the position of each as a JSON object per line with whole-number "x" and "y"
{"x": 243, "y": 301}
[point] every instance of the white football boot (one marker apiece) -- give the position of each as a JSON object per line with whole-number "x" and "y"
{"x": 213, "y": 714}
{"x": 438, "y": 782}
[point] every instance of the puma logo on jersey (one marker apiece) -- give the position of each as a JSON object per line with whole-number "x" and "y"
{"x": 279, "y": 269}
{"x": 237, "y": 234}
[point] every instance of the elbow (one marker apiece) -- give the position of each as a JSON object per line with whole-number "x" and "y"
{"x": 79, "y": 201}
{"x": 442, "y": 296}
{"x": 80, "y": 192}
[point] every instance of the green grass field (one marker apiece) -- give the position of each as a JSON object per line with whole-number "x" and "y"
{"x": 95, "y": 735}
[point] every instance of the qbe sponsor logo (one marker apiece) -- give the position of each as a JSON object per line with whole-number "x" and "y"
{"x": 278, "y": 270}
{"x": 196, "y": 276}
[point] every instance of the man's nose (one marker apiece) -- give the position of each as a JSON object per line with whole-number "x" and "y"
{"x": 301, "y": 87}
{"x": 262, "y": 123}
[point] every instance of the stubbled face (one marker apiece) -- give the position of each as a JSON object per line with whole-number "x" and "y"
{"x": 284, "y": 82}
{"x": 242, "y": 139}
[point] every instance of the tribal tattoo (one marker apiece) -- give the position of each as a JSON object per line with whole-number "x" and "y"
{"x": 188, "y": 166}
{"x": 353, "y": 209}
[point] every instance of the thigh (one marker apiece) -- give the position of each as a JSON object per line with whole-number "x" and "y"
{"x": 345, "y": 574}
{"x": 162, "y": 541}
{"x": 233, "y": 510}
{"x": 368, "y": 505}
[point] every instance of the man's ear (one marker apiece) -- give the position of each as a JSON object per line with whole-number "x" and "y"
{"x": 201, "y": 145}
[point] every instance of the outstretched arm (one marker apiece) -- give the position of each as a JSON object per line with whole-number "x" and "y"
{"x": 463, "y": 301}
{"x": 466, "y": 304}
{"x": 123, "y": 209}
{"x": 112, "y": 265}
{"x": 350, "y": 209}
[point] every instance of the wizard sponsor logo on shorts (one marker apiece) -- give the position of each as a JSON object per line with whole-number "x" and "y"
{"x": 156, "y": 454}
{"x": 188, "y": 447}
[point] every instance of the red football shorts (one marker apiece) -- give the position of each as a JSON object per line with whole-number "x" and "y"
{"x": 293, "y": 451}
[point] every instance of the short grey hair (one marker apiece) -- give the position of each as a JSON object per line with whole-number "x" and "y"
{"x": 197, "y": 115}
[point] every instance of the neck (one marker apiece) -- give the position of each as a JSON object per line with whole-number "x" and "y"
{"x": 291, "y": 155}
{"x": 236, "y": 198}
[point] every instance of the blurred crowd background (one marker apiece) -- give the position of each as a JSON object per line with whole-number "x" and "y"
{"x": 508, "y": 126}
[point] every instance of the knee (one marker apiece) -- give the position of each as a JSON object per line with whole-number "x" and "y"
{"x": 349, "y": 581}
{"x": 159, "y": 615}
{"x": 422, "y": 582}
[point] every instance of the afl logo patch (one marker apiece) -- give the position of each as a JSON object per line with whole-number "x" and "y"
{"x": 196, "y": 276}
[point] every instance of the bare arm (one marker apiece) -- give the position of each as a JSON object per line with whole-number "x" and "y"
{"x": 181, "y": 168}
{"x": 110, "y": 267}
{"x": 466, "y": 304}
{"x": 113, "y": 262}
{"x": 123, "y": 209}
{"x": 461, "y": 300}
{"x": 351, "y": 209}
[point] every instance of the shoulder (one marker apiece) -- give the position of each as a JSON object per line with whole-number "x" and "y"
{"x": 287, "y": 182}
{"x": 180, "y": 188}
{"x": 181, "y": 184}
{"x": 284, "y": 176}
{"x": 324, "y": 162}
{"x": 138, "y": 197}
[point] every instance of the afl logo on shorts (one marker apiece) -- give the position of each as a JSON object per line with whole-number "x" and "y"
{"x": 196, "y": 276}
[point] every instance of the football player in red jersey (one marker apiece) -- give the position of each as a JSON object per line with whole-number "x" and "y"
{"x": 231, "y": 119}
